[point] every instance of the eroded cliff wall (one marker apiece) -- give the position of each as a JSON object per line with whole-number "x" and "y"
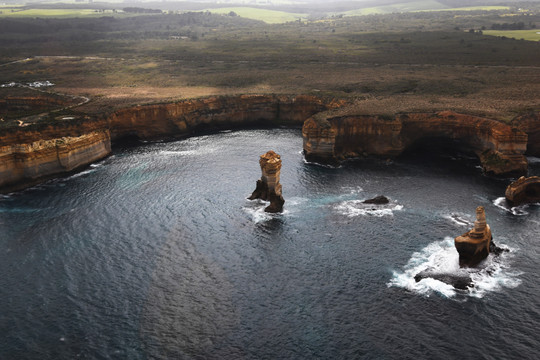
{"x": 31, "y": 153}
{"x": 499, "y": 147}
{"x": 26, "y": 163}
{"x": 190, "y": 116}
{"x": 530, "y": 124}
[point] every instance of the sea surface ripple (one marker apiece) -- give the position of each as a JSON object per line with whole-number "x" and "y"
{"x": 155, "y": 253}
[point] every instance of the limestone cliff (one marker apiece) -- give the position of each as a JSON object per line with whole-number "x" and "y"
{"x": 190, "y": 116}
{"x": 25, "y": 163}
{"x": 499, "y": 147}
{"x": 523, "y": 190}
{"x": 530, "y": 124}
{"x": 41, "y": 150}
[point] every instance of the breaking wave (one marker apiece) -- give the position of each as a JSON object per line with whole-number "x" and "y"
{"x": 460, "y": 219}
{"x": 441, "y": 257}
{"x": 353, "y": 208}
{"x": 501, "y": 203}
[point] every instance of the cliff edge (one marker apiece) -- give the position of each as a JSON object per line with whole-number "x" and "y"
{"x": 499, "y": 147}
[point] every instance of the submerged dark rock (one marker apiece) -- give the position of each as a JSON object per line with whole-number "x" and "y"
{"x": 495, "y": 250}
{"x": 378, "y": 200}
{"x": 458, "y": 281}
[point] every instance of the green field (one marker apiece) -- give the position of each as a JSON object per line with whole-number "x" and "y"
{"x": 531, "y": 35}
{"x": 417, "y": 6}
{"x": 268, "y": 16}
{"x": 397, "y": 8}
{"x": 55, "y": 13}
{"x": 473, "y": 8}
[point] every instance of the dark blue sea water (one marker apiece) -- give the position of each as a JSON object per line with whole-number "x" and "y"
{"x": 155, "y": 253}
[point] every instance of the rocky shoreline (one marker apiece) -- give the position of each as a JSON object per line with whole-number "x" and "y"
{"x": 42, "y": 150}
{"x": 499, "y": 147}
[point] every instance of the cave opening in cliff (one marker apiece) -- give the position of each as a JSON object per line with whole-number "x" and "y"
{"x": 126, "y": 141}
{"x": 441, "y": 150}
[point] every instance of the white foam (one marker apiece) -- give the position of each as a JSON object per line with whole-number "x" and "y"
{"x": 459, "y": 219}
{"x": 198, "y": 151}
{"x": 257, "y": 213}
{"x": 441, "y": 257}
{"x": 321, "y": 165}
{"x": 533, "y": 160}
{"x": 353, "y": 208}
{"x": 516, "y": 210}
{"x": 178, "y": 153}
{"x": 82, "y": 173}
{"x": 352, "y": 190}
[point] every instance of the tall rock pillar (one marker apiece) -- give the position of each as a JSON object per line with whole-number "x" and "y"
{"x": 268, "y": 187}
{"x": 474, "y": 246}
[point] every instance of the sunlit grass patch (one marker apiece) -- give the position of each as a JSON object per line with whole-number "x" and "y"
{"x": 531, "y": 35}
{"x": 397, "y": 8}
{"x": 57, "y": 13}
{"x": 268, "y": 16}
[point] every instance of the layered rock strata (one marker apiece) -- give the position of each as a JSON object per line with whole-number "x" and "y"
{"x": 474, "y": 245}
{"x": 28, "y": 153}
{"x": 530, "y": 124}
{"x": 26, "y": 163}
{"x": 268, "y": 187}
{"x": 215, "y": 113}
{"x": 499, "y": 147}
{"x": 523, "y": 190}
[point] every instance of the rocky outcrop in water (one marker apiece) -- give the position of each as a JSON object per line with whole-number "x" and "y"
{"x": 377, "y": 200}
{"x": 499, "y": 147}
{"x": 268, "y": 187}
{"x": 523, "y": 191}
{"x": 474, "y": 245}
{"x": 458, "y": 281}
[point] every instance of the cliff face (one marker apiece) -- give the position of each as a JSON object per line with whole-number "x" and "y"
{"x": 499, "y": 147}
{"x": 523, "y": 190}
{"x": 530, "y": 124}
{"x": 189, "y": 116}
{"x": 35, "y": 152}
{"x": 25, "y": 163}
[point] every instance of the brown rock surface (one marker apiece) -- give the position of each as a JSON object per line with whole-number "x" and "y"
{"x": 499, "y": 147}
{"x": 268, "y": 187}
{"x": 474, "y": 245}
{"x": 523, "y": 190}
{"x": 28, "y": 153}
{"x": 530, "y": 124}
{"x": 214, "y": 113}
{"x": 26, "y": 163}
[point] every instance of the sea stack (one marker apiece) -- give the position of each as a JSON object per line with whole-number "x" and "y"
{"x": 268, "y": 187}
{"x": 523, "y": 191}
{"x": 474, "y": 246}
